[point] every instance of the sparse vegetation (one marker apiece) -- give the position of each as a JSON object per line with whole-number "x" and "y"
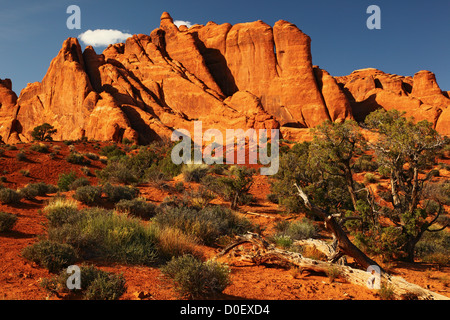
{"x": 65, "y": 180}
{"x": 89, "y": 195}
{"x": 9, "y": 196}
{"x": 7, "y": 221}
{"x": 106, "y": 235}
{"x": 96, "y": 284}
{"x": 196, "y": 279}
{"x": 51, "y": 255}
{"x": 40, "y": 147}
{"x": 115, "y": 193}
{"x": 207, "y": 224}
{"x": 194, "y": 172}
{"x": 137, "y": 207}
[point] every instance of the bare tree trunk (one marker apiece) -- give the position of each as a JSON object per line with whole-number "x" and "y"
{"x": 265, "y": 252}
{"x": 344, "y": 243}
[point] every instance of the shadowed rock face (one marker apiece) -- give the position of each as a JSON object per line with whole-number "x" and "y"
{"x": 419, "y": 96}
{"x": 248, "y": 75}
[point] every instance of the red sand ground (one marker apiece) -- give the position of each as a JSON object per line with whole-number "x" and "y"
{"x": 19, "y": 278}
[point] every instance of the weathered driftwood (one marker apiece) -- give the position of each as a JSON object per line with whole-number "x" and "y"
{"x": 265, "y": 252}
{"x": 344, "y": 245}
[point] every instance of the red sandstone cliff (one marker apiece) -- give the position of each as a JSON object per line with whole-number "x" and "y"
{"x": 248, "y": 75}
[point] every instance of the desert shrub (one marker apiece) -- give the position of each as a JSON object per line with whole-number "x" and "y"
{"x": 196, "y": 279}
{"x": 385, "y": 242}
{"x": 111, "y": 151}
{"x": 287, "y": 232}
{"x": 156, "y": 176}
{"x": 44, "y": 132}
{"x": 118, "y": 192}
{"x": 86, "y": 171}
{"x": 77, "y": 158}
{"x": 96, "y": 284}
{"x": 434, "y": 247}
{"x": 218, "y": 168}
{"x": 298, "y": 230}
{"x": 79, "y": 182}
{"x": 61, "y": 211}
{"x": 28, "y": 192}
{"x": 137, "y": 207}
{"x": 370, "y": 178}
{"x": 199, "y": 198}
{"x": 106, "y": 286}
{"x": 51, "y": 255}
{"x": 88, "y": 194}
{"x": 40, "y": 147}
{"x": 21, "y": 156}
{"x": 272, "y": 197}
{"x": 33, "y": 190}
{"x": 386, "y": 292}
{"x": 9, "y": 196}
{"x": 173, "y": 242}
{"x": 333, "y": 273}
{"x": 235, "y": 188}
{"x": 169, "y": 168}
{"x": 7, "y": 221}
{"x": 108, "y": 235}
{"x": 91, "y": 156}
{"x": 68, "y": 142}
{"x": 282, "y": 241}
{"x": 11, "y": 147}
{"x": 207, "y": 224}
{"x": 179, "y": 186}
{"x": 194, "y": 172}
{"x": 25, "y": 172}
{"x": 365, "y": 163}
{"x": 65, "y": 180}
{"x": 117, "y": 172}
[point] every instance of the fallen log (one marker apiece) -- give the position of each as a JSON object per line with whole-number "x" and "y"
{"x": 263, "y": 251}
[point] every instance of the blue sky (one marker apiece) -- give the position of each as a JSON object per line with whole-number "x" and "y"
{"x": 414, "y": 35}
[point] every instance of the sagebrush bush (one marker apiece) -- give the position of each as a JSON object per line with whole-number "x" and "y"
{"x": 51, "y": 255}
{"x": 79, "y": 182}
{"x": 77, "y": 158}
{"x": 40, "y": 189}
{"x": 91, "y": 156}
{"x": 116, "y": 193}
{"x": 434, "y": 247}
{"x": 96, "y": 284}
{"x": 9, "y": 196}
{"x": 370, "y": 178}
{"x": 117, "y": 172}
{"x": 111, "y": 151}
{"x": 61, "y": 211}
{"x": 7, "y": 221}
{"x": 196, "y": 279}
{"x": 194, "y": 172}
{"x": 207, "y": 224}
{"x": 65, "y": 180}
{"x": 173, "y": 242}
{"x": 108, "y": 235}
{"x": 88, "y": 194}
{"x": 297, "y": 230}
{"x": 40, "y": 147}
{"x": 21, "y": 156}
{"x": 137, "y": 207}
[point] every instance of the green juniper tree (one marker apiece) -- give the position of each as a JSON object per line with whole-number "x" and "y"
{"x": 407, "y": 151}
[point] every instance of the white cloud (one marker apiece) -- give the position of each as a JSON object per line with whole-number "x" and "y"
{"x": 179, "y": 23}
{"x": 103, "y": 37}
